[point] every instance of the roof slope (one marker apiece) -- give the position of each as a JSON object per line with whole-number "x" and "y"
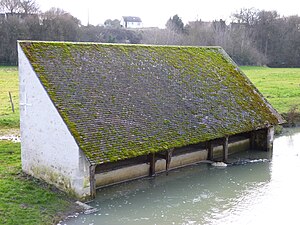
{"x": 122, "y": 101}
{"x": 132, "y": 19}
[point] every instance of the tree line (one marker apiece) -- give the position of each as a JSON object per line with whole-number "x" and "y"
{"x": 22, "y": 20}
{"x": 253, "y": 37}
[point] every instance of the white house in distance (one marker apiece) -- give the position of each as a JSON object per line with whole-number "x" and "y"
{"x": 131, "y": 22}
{"x": 93, "y": 115}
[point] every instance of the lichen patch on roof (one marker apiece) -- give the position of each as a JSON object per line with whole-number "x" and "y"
{"x": 123, "y": 101}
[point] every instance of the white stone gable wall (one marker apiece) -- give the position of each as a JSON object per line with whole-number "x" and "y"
{"x": 49, "y": 151}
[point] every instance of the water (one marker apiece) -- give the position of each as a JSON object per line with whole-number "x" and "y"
{"x": 264, "y": 191}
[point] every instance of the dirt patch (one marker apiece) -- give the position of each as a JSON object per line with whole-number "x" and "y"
{"x": 13, "y": 138}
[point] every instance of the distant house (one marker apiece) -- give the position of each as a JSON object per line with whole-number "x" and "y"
{"x": 98, "y": 114}
{"x": 131, "y": 22}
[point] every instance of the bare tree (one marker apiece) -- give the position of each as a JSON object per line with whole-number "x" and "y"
{"x": 59, "y": 25}
{"x": 200, "y": 33}
{"x": 11, "y": 6}
{"x": 112, "y": 23}
{"x": 266, "y": 30}
{"x": 29, "y": 7}
{"x": 247, "y": 16}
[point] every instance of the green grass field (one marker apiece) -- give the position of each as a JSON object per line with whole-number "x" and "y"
{"x": 281, "y": 86}
{"x": 9, "y": 82}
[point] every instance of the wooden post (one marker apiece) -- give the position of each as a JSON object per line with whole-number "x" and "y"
{"x": 210, "y": 151}
{"x": 152, "y": 164}
{"x": 168, "y": 159}
{"x": 252, "y": 140}
{"x": 92, "y": 181}
{"x": 11, "y": 102}
{"x": 225, "y": 149}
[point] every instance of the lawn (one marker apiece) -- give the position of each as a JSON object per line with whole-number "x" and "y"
{"x": 9, "y": 82}
{"x": 26, "y": 200}
{"x": 281, "y": 86}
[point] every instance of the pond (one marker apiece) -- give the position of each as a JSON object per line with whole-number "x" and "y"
{"x": 258, "y": 188}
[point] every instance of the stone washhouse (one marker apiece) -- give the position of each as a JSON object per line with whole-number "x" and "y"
{"x": 98, "y": 114}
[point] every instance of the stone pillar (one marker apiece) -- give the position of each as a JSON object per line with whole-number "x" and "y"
{"x": 262, "y": 139}
{"x": 270, "y": 138}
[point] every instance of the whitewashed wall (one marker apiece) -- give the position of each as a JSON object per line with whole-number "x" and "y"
{"x": 134, "y": 25}
{"x": 49, "y": 151}
{"x": 131, "y": 24}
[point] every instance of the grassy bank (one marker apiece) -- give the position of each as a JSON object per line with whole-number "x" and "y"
{"x": 25, "y": 200}
{"x": 281, "y": 86}
{"x": 9, "y": 82}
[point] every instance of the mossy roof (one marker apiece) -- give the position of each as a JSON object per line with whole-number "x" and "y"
{"x": 132, "y": 19}
{"x": 123, "y": 101}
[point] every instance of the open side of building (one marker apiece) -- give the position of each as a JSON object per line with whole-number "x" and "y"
{"x": 98, "y": 114}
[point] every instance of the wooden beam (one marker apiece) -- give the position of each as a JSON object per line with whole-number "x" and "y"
{"x": 168, "y": 159}
{"x": 210, "y": 151}
{"x": 160, "y": 155}
{"x": 105, "y": 167}
{"x": 152, "y": 164}
{"x": 225, "y": 149}
{"x": 252, "y": 139}
{"x": 92, "y": 181}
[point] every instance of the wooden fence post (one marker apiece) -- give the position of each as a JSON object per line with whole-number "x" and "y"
{"x": 11, "y": 102}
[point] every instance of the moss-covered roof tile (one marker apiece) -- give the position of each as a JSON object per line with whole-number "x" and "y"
{"x": 123, "y": 101}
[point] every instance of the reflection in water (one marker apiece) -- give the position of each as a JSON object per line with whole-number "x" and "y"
{"x": 261, "y": 192}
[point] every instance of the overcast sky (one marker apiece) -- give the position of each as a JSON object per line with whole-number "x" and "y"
{"x": 155, "y": 13}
